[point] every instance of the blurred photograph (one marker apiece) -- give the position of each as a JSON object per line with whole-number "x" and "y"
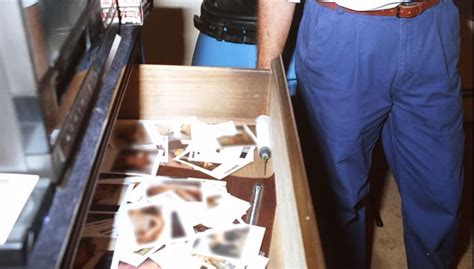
{"x": 237, "y": 243}
{"x": 209, "y": 262}
{"x": 176, "y": 147}
{"x": 176, "y": 129}
{"x": 212, "y": 201}
{"x": 208, "y": 166}
{"x": 134, "y": 259}
{"x": 147, "y": 264}
{"x": 243, "y": 137}
{"x": 147, "y": 222}
{"x": 128, "y": 133}
{"x": 136, "y": 161}
{"x": 226, "y": 244}
{"x": 189, "y": 191}
{"x": 177, "y": 227}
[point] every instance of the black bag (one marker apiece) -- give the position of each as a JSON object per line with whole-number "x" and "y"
{"x": 229, "y": 20}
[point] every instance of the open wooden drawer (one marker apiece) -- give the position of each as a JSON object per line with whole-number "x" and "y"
{"x": 219, "y": 94}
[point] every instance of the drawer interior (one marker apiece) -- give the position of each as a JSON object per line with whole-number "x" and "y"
{"x": 219, "y": 94}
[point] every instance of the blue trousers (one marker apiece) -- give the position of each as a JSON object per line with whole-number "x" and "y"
{"x": 363, "y": 77}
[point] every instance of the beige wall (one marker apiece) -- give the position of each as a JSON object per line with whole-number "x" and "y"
{"x": 169, "y": 35}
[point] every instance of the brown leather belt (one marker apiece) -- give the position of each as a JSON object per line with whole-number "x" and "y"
{"x": 404, "y": 10}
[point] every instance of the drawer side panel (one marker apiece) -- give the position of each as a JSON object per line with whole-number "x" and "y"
{"x": 297, "y": 230}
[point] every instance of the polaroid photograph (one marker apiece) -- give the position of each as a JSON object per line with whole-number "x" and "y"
{"x": 223, "y": 210}
{"x": 229, "y": 154}
{"x": 206, "y": 167}
{"x": 224, "y": 128}
{"x": 214, "y": 200}
{"x": 257, "y": 262}
{"x": 218, "y": 263}
{"x": 124, "y": 258}
{"x": 146, "y": 264}
{"x": 108, "y": 197}
{"x": 188, "y": 190}
{"x": 203, "y": 136}
{"x": 243, "y": 137}
{"x": 127, "y": 252}
{"x": 235, "y": 243}
{"x": 216, "y": 170}
{"x": 147, "y": 224}
{"x": 130, "y": 133}
{"x": 151, "y": 187}
{"x": 166, "y": 198}
{"x": 185, "y": 193}
{"x": 138, "y": 191}
{"x": 132, "y": 161}
{"x": 176, "y": 147}
{"x": 175, "y": 255}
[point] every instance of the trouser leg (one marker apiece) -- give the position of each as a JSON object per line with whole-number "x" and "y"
{"x": 345, "y": 66}
{"x": 423, "y": 136}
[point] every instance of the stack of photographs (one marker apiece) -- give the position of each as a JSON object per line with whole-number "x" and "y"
{"x": 134, "y": 150}
{"x": 218, "y": 149}
{"x": 164, "y": 222}
{"x": 137, "y": 147}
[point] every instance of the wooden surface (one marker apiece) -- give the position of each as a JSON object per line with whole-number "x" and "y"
{"x": 297, "y": 231}
{"x": 159, "y": 92}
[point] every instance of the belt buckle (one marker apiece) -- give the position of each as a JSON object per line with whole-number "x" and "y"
{"x": 405, "y": 4}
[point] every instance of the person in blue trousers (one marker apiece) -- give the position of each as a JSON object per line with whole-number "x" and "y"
{"x": 370, "y": 70}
